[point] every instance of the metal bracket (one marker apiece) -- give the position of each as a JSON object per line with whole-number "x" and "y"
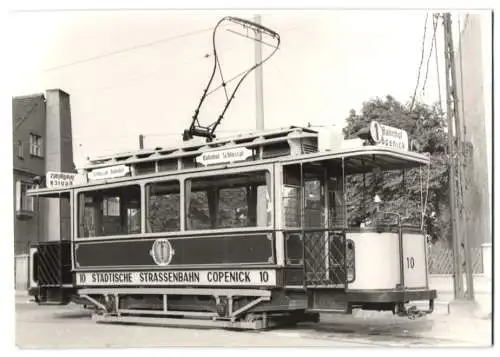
{"x": 77, "y": 264}
{"x": 248, "y": 306}
{"x": 94, "y": 301}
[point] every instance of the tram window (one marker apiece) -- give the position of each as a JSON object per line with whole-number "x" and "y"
{"x": 336, "y": 210}
{"x": 109, "y": 212}
{"x": 292, "y": 208}
{"x": 163, "y": 207}
{"x": 314, "y": 211}
{"x": 310, "y": 212}
{"x": 229, "y": 201}
{"x": 291, "y": 205}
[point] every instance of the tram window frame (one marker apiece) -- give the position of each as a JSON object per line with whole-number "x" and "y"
{"x": 92, "y": 205}
{"x": 303, "y": 197}
{"x": 245, "y": 217}
{"x": 292, "y": 192}
{"x": 169, "y": 183}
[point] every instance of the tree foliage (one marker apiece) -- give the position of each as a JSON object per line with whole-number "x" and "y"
{"x": 426, "y": 127}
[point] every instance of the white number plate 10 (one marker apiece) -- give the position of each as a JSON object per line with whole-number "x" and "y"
{"x": 414, "y": 260}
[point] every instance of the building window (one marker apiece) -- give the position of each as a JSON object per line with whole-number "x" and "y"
{"x": 23, "y": 202}
{"x": 36, "y": 145}
{"x": 20, "y": 153}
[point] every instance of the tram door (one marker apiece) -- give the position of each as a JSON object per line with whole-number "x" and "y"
{"x": 311, "y": 201}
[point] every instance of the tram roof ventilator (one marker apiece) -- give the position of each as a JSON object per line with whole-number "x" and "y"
{"x": 267, "y": 144}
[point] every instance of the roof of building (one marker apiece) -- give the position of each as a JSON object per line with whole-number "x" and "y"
{"x": 23, "y": 106}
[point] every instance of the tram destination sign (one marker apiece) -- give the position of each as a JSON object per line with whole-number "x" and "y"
{"x": 109, "y": 172}
{"x": 389, "y": 136}
{"x": 59, "y": 179}
{"x": 224, "y": 156}
{"x": 187, "y": 277}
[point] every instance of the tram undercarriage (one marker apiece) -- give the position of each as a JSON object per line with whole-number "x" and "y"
{"x": 230, "y": 308}
{"x": 234, "y": 308}
{"x": 230, "y": 312}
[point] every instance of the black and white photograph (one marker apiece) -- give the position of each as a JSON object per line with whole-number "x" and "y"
{"x": 250, "y": 177}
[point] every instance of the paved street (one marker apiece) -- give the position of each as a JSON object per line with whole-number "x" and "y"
{"x": 71, "y": 327}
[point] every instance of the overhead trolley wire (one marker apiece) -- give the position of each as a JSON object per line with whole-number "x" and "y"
{"x": 127, "y": 49}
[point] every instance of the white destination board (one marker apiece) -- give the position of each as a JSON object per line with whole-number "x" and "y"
{"x": 59, "y": 179}
{"x": 224, "y": 156}
{"x": 185, "y": 277}
{"x": 389, "y": 136}
{"x": 109, "y": 172}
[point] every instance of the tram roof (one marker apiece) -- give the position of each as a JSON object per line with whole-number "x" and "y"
{"x": 50, "y": 192}
{"x": 366, "y": 158}
{"x": 351, "y": 156}
{"x": 194, "y": 147}
{"x": 305, "y": 138}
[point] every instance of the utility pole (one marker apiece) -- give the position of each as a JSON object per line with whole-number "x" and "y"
{"x": 259, "y": 88}
{"x": 456, "y": 169}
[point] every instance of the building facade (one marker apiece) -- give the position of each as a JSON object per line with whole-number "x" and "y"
{"x": 473, "y": 55}
{"x": 474, "y": 70}
{"x": 42, "y": 142}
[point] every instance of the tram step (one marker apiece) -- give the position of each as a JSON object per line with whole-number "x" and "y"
{"x": 179, "y": 322}
{"x": 327, "y": 300}
{"x": 329, "y": 311}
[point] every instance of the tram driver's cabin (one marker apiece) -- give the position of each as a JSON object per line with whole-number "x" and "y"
{"x": 247, "y": 231}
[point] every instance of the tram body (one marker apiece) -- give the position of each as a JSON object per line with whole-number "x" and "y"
{"x": 246, "y": 232}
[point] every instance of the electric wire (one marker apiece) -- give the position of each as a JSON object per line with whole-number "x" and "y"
{"x": 461, "y": 78}
{"x": 437, "y": 71}
{"x": 426, "y": 192}
{"x": 158, "y": 73}
{"x": 127, "y": 49}
{"x": 421, "y": 62}
{"x": 222, "y": 78}
{"x": 434, "y": 23}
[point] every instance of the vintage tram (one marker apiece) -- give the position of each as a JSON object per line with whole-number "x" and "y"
{"x": 235, "y": 232}
{"x": 249, "y": 231}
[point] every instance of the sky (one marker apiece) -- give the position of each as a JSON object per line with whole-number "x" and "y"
{"x": 143, "y": 72}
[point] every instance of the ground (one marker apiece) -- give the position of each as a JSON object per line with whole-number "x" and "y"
{"x": 71, "y": 327}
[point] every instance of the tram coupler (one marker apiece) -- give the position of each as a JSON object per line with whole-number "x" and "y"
{"x": 412, "y": 312}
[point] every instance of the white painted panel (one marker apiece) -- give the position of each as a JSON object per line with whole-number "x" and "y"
{"x": 377, "y": 263}
{"x": 21, "y": 277}
{"x": 415, "y": 268}
{"x": 32, "y": 283}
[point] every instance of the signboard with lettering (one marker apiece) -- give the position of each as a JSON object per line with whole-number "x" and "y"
{"x": 109, "y": 172}
{"x": 389, "y": 136}
{"x": 59, "y": 179}
{"x": 188, "y": 277}
{"x": 224, "y": 156}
